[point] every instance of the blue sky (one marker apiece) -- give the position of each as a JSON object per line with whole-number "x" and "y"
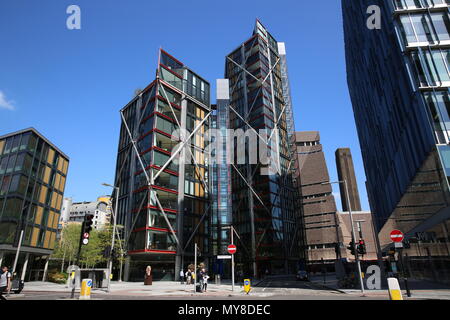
{"x": 70, "y": 84}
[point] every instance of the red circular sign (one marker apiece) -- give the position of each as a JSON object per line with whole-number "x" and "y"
{"x": 397, "y": 236}
{"x": 232, "y": 249}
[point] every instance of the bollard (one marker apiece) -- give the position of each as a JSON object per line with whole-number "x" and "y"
{"x": 86, "y": 286}
{"x": 247, "y": 286}
{"x": 394, "y": 289}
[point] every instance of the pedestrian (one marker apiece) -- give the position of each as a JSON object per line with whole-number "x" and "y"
{"x": 5, "y": 282}
{"x": 181, "y": 276}
{"x": 188, "y": 276}
{"x": 199, "y": 277}
{"x": 205, "y": 281}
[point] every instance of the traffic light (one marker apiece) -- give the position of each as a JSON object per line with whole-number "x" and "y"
{"x": 86, "y": 228}
{"x": 351, "y": 247}
{"x": 107, "y": 252}
{"x": 362, "y": 247}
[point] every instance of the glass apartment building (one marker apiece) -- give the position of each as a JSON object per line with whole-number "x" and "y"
{"x": 154, "y": 190}
{"x": 33, "y": 174}
{"x": 264, "y": 210}
{"x": 399, "y": 80}
{"x": 221, "y": 217}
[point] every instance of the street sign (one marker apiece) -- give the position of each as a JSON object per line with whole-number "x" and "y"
{"x": 223, "y": 257}
{"x": 232, "y": 249}
{"x": 85, "y": 241}
{"x": 86, "y": 235}
{"x": 397, "y": 236}
{"x": 399, "y": 245}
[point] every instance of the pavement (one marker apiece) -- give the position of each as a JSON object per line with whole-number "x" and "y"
{"x": 419, "y": 289}
{"x": 271, "y": 288}
{"x": 284, "y": 288}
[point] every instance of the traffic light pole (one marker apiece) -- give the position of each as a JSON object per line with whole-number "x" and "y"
{"x": 113, "y": 240}
{"x": 354, "y": 238}
{"x": 78, "y": 261}
{"x": 195, "y": 268}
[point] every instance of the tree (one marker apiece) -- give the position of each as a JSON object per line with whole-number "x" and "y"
{"x": 92, "y": 254}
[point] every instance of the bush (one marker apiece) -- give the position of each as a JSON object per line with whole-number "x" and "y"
{"x": 57, "y": 277}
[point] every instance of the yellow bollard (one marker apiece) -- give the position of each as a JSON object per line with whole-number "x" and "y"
{"x": 395, "y": 293}
{"x": 85, "y": 293}
{"x": 247, "y": 286}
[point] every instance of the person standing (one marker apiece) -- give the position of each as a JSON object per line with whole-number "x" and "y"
{"x": 5, "y": 282}
{"x": 205, "y": 281}
{"x": 199, "y": 277}
{"x": 181, "y": 276}
{"x": 188, "y": 277}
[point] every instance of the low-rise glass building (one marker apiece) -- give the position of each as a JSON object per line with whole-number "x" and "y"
{"x": 33, "y": 174}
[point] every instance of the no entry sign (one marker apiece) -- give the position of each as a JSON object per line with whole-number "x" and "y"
{"x": 232, "y": 249}
{"x": 397, "y": 236}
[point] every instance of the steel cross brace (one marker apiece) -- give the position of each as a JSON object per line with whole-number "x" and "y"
{"x": 149, "y": 181}
{"x": 190, "y": 151}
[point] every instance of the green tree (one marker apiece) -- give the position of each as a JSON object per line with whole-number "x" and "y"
{"x": 92, "y": 254}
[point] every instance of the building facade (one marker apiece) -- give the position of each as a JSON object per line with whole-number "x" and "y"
{"x": 99, "y": 209}
{"x": 222, "y": 213}
{"x": 399, "y": 80}
{"x": 264, "y": 198}
{"x": 346, "y": 171}
{"x": 33, "y": 174}
{"x": 162, "y": 175}
{"x": 320, "y": 219}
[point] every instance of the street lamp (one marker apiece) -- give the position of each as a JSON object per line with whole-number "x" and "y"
{"x": 353, "y": 230}
{"x": 114, "y": 233}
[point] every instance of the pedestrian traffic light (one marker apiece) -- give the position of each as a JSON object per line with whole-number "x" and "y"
{"x": 88, "y": 221}
{"x": 86, "y": 228}
{"x": 362, "y": 247}
{"x": 107, "y": 252}
{"x": 351, "y": 247}
{"x": 337, "y": 248}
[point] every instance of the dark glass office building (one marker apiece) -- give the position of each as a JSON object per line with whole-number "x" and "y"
{"x": 164, "y": 200}
{"x": 33, "y": 175}
{"x": 399, "y": 80}
{"x": 264, "y": 210}
{"x": 221, "y": 217}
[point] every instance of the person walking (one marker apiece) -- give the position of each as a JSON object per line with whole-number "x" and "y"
{"x": 181, "y": 276}
{"x": 5, "y": 282}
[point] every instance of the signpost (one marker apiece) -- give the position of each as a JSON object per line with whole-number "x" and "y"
{"x": 232, "y": 249}
{"x": 397, "y": 237}
{"x": 224, "y": 257}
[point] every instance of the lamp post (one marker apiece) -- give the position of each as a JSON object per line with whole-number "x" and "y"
{"x": 114, "y": 233}
{"x": 353, "y": 230}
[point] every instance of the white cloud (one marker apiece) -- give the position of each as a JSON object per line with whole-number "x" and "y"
{"x": 5, "y": 104}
